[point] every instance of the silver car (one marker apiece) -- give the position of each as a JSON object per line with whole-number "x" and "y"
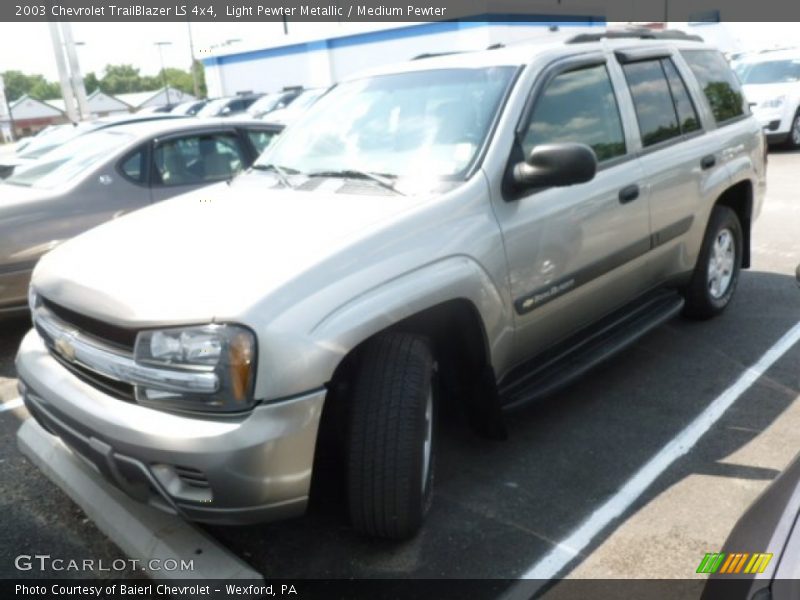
{"x": 106, "y": 173}
{"x": 483, "y": 226}
{"x": 52, "y": 137}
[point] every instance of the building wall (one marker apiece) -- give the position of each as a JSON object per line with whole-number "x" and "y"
{"x": 327, "y": 61}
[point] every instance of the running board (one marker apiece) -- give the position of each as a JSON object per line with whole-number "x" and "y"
{"x": 580, "y": 353}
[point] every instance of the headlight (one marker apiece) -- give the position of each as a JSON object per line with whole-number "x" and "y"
{"x": 773, "y": 102}
{"x": 227, "y": 351}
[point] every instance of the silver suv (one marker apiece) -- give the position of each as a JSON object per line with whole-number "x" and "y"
{"x": 479, "y": 227}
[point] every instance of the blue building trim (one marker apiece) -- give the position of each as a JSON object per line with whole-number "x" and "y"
{"x": 405, "y": 32}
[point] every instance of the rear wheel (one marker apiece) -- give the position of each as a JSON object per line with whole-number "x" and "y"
{"x": 717, "y": 270}
{"x": 794, "y": 132}
{"x": 391, "y": 446}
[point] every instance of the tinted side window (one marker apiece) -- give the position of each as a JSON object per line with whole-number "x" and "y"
{"x": 652, "y": 101}
{"x": 578, "y": 106}
{"x": 198, "y": 159}
{"x": 687, "y": 115}
{"x": 132, "y": 166}
{"x": 719, "y": 84}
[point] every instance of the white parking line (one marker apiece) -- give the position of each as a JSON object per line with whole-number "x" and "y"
{"x": 559, "y": 557}
{"x": 11, "y": 404}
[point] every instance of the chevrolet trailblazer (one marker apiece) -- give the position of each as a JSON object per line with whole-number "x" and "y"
{"x": 482, "y": 227}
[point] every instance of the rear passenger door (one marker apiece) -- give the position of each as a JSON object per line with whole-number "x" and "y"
{"x": 682, "y": 164}
{"x": 186, "y": 162}
{"x": 574, "y": 253}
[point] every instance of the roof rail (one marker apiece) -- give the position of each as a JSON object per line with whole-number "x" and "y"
{"x": 425, "y": 55}
{"x": 641, "y": 33}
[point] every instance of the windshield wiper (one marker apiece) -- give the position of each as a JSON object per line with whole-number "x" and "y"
{"x": 282, "y": 175}
{"x": 382, "y": 180}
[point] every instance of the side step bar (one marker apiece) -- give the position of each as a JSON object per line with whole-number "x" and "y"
{"x": 571, "y": 359}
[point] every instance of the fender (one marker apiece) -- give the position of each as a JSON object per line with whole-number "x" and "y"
{"x": 298, "y": 364}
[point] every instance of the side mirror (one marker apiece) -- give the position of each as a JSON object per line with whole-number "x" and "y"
{"x": 556, "y": 165}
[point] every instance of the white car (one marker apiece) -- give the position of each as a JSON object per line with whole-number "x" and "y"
{"x": 772, "y": 86}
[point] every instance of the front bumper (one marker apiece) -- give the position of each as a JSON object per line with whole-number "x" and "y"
{"x": 777, "y": 123}
{"x": 226, "y": 470}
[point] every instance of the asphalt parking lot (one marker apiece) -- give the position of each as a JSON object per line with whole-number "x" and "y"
{"x": 500, "y": 507}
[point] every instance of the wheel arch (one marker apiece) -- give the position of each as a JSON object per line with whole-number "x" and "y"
{"x": 739, "y": 198}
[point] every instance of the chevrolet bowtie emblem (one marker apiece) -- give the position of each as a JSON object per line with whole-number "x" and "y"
{"x": 65, "y": 348}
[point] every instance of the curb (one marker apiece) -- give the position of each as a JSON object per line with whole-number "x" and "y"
{"x": 142, "y": 532}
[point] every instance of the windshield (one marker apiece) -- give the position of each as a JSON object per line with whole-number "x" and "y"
{"x": 304, "y": 100}
{"x": 70, "y": 159}
{"x": 41, "y": 145}
{"x": 774, "y": 71}
{"x": 213, "y": 107}
{"x": 425, "y": 124}
{"x": 264, "y": 104}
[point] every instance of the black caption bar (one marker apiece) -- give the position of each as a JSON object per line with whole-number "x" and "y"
{"x": 698, "y": 11}
{"x": 389, "y": 589}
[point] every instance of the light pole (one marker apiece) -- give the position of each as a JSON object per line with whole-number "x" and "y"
{"x": 194, "y": 62}
{"x": 163, "y": 70}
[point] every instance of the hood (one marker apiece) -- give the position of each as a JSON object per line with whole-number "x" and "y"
{"x": 13, "y": 196}
{"x": 208, "y": 254}
{"x": 759, "y": 92}
{"x": 14, "y": 160}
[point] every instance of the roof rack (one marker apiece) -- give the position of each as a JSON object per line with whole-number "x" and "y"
{"x": 433, "y": 55}
{"x": 640, "y": 33}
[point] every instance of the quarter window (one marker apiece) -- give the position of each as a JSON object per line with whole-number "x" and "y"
{"x": 578, "y": 106}
{"x": 719, "y": 84}
{"x": 133, "y": 167}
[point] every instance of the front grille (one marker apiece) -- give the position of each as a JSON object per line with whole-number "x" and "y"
{"x": 111, "y": 334}
{"x": 116, "y": 339}
{"x": 112, "y": 387}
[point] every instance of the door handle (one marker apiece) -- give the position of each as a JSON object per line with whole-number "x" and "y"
{"x": 708, "y": 161}
{"x": 629, "y": 193}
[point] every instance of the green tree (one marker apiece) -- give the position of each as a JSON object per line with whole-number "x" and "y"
{"x": 91, "y": 83}
{"x": 18, "y": 84}
{"x": 121, "y": 79}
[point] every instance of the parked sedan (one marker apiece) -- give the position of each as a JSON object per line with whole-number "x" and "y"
{"x": 228, "y": 107}
{"x": 109, "y": 172}
{"x": 53, "y": 137}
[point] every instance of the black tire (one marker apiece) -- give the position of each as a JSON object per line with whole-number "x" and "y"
{"x": 703, "y": 301}
{"x": 793, "y": 141}
{"x": 388, "y": 427}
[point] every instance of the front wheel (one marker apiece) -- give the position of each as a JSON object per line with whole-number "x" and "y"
{"x": 391, "y": 436}
{"x": 717, "y": 270}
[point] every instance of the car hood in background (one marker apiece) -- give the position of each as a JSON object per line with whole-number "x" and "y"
{"x": 759, "y": 92}
{"x": 13, "y": 196}
{"x": 208, "y": 254}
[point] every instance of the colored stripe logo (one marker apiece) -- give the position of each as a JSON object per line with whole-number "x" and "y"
{"x": 734, "y": 562}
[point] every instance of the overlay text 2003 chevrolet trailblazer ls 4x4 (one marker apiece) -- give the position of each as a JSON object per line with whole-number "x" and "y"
{"x": 482, "y": 227}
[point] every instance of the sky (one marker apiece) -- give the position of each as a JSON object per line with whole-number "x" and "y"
{"x": 27, "y": 46}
